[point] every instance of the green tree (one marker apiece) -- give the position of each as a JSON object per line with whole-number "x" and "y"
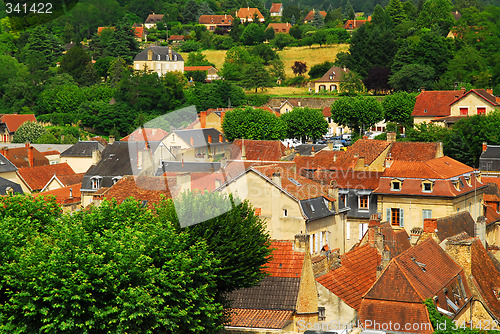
{"x": 197, "y": 59}
{"x": 351, "y": 84}
{"x": 28, "y": 132}
{"x": 10, "y": 68}
{"x": 398, "y": 108}
{"x": 269, "y": 34}
{"x": 217, "y": 94}
{"x": 64, "y": 98}
{"x": 264, "y": 52}
{"x": 236, "y": 59}
{"x": 357, "y": 113}
{"x": 412, "y": 77}
{"x": 282, "y": 40}
{"x": 122, "y": 43}
{"x": 426, "y": 132}
{"x": 76, "y": 62}
{"x": 47, "y": 138}
{"x": 320, "y": 37}
{"x": 299, "y": 68}
{"x": 255, "y": 76}
{"x": 395, "y": 10}
{"x": 318, "y": 20}
{"x": 468, "y": 66}
{"x": 305, "y": 123}
{"x": 102, "y": 66}
{"x": 436, "y": 15}
{"x": 253, "y": 34}
{"x": 317, "y": 71}
{"x": 250, "y": 123}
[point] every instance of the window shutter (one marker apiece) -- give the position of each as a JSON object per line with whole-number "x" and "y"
{"x": 321, "y": 234}
{"x": 401, "y": 218}
{"x": 360, "y": 228}
{"x": 316, "y": 244}
{"x": 311, "y": 240}
{"x": 389, "y": 216}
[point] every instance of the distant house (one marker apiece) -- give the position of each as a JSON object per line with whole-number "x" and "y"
{"x": 9, "y": 123}
{"x": 176, "y": 39}
{"x": 36, "y": 178}
{"x": 82, "y": 155}
{"x": 310, "y": 16}
{"x": 276, "y": 9}
{"x": 212, "y": 72}
{"x": 333, "y": 128}
{"x": 159, "y": 59}
{"x": 283, "y": 28}
{"x": 152, "y": 20}
{"x": 247, "y": 14}
{"x": 8, "y": 187}
{"x": 351, "y": 25}
{"x": 61, "y": 181}
{"x": 69, "y": 197}
{"x": 8, "y": 172}
{"x": 54, "y": 156}
{"x": 330, "y": 81}
{"x": 224, "y": 22}
{"x": 26, "y": 156}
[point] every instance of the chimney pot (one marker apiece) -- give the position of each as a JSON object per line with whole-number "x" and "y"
{"x": 111, "y": 139}
{"x": 70, "y": 193}
{"x": 374, "y": 220}
{"x": 485, "y": 146}
{"x": 220, "y": 138}
{"x": 203, "y": 119}
{"x": 191, "y": 141}
{"x": 391, "y": 137}
{"x": 30, "y": 156}
{"x": 430, "y": 225}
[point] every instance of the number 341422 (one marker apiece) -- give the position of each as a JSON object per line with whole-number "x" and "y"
{"x": 28, "y": 8}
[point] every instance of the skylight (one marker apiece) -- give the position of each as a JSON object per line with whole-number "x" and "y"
{"x": 297, "y": 183}
{"x": 420, "y": 264}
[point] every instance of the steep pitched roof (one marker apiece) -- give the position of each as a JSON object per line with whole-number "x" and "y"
{"x": 6, "y": 184}
{"x": 154, "y": 18}
{"x": 440, "y": 168}
{"x": 482, "y": 93}
{"x": 65, "y": 195}
{"x": 322, "y": 159}
{"x": 83, "y": 149}
{"x": 334, "y": 74}
{"x": 268, "y": 150}
{"x": 396, "y": 241}
{"x": 356, "y": 275}
{"x": 275, "y": 7}
{"x": 435, "y": 103}
{"x": 160, "y": 53}
{"x": 216, "y": 19}
{"x": 248, "y": 12}
{"x": 413, "y": 151}
{"x": 5, "y": 165}
{"x": 280, "y": 27}
{"x": 200, "y": 136}
{"x": 254, "y": 318}
{"x": 37, "y": 177}
{"x": 150, "y": 134}
{"x": 454, "y": 224}
{"x": 353, "y": 24}
{"x": 20, "y": 157}
{"x": 369, "y": 149}
{"x": 14, "y": 121}
{"x": 310, "y": 15}
{"x": 284, "y": 261}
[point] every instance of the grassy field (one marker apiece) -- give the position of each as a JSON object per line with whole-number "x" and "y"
{"x": 310, "y": 55}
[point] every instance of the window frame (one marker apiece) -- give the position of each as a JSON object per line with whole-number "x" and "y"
{"x": 398, "y": 182}
{"x": 364, "y": 208}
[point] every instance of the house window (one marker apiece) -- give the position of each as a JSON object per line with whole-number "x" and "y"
{"x": 363, "y": 202}
{"x": 426, "y": 214}
{"x": 343, "y": 198}
{"x": 322, "y": 87}
{"x": 331, "y": 77}
{"x": 464, "y": 111}
{"x": 481, "y": 110}
{"x": 285, "y": 213}
{"x": 396, "y": 185}
{"x": 321, "y": 314}
{"x": 96, "y": 182}
{"x": 333, "y": 88}
{"x": 348, "y": 231}
{"x": 363, "y": 227}
{"x": 395, "y": 217}
{"x": 427, "y": 186}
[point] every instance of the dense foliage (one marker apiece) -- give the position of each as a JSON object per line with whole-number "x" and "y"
{"x": 357, "y": 113}
{"x": 250, "y": 123}
{"x": 305, "y": 124}
{"x": 28, "y": 132}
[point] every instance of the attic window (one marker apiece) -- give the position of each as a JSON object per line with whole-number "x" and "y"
{"x": 427, "y": 186}
{"x": 96, "y": 182}
{"x": 312, "y": 208}
{"x": 420, "y": 264}
{"x": 425, "y": 110}
{"x": 456, "y": 184}
{"x": 331, "y": 76}
{"x": 158, "y": 57}
{"x": 396, "y": 185}
{"x": 115, "y": 179}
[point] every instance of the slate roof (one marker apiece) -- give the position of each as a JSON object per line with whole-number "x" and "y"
{"x": 142, "y": 188}
{"x": 4, "y": 184}
{"x": 19, "y": 157}
{"x": 200, "y": 136}
{"x": 83, "y": 149}
{"x": 490, "y": 159}
{"x": 275, "y": 7}
{"x": 62, "y": 195}
{"x": 435, "y": 103}
{"x": 216, "y": 19}
{"x": 306, "y": 149}
{"x": 37, "y": 177}
{"x": 285, "y": 262}
{"x": 310, "y": 16}
{"x": 149, "y": 134}
{"x": 161, "y": 51}
{"x": 115, "y": 161}
{"x": 14, "y": 121}
{"x": 248, "y": 12}
{"x": 6, "y": 166}
{"x": 356, "y": 275}
{"x": 266, "y": 150}
{"x": 252, "y": 318}
{"x": 336, "y": 72}
{"x": 454, "y": 224}
{"x": 316, "y": 208}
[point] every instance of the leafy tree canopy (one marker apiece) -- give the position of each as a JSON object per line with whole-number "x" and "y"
{"x": 305, "y": 123}
{"x": 250, "y": 123}
{"x": 357, "y": 113}
{"x": 28, "y": 132}
{"x": 398, "y": 108}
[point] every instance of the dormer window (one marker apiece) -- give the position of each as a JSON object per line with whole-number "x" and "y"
{"x": 331, "y": 76}
{"x": 427, "y": 186}
{"x": 456, "y": 184}
{"x": 158, "y": 57}
{"x": 96, "y": 182}
{"x": 468, "y": 180}
{"x": 396, "y": 185}
{"x": 115, "y": 179}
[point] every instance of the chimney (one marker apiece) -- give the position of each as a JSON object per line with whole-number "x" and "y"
{"x": 170, "y": 53}
{"x": 203, "y": 119}
{"x": 4, "y": 150}
{"x": 301, "y": 243}
{"x": 312, "y": 151}
{"x": 439, "y": 150}
{"x": 388, "y": 161}
{"x": 391, "y": 137}
{"x": 111, "y": 139}
{"x": 222, "y": 115}
{"x": 374, "y": 220}
{"x": 209, "y": 139}
{"x": 430, "y": 225}
{"x": 365, "y": 137}
{"x": 485, "y": 146}
{"x": 243, "y": 153}
{"x": 221, "y": 139}
{"x": 30, "y": 156}
{"x": 489, "y": 91}
{"x": 334, "y": 157}
{"x": 480, "y": 229}
{"x": 96, "y": 157}
{"x": 182, "y": 163}
{"x": 422, "y": 89}
{"x": 70, "y": 193}
{"x": 150, "y": 54}
{"x": 191, "y": 141}
{"x": 462, "y": 89}
{"x": 277, "y": 178}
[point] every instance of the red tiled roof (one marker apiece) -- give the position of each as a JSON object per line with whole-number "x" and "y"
{"x": 327, "y": 111}
{"x": 139, "y": 32}
{"x": 216, "y": 19}
{"x": 268, "y": 150}
{"x": 62, "y": 195}
{"x": 143, "y": 188}
{"x": 395, "y": 241}
{"x": 323, "y": 159}
{"x": 280, "y": 27}
{"x": 252, "y": 318}
{"x": 413, "y": 151}
{"x": 19, "y": 157}
{"x": 51, "y": 153}
{"x": 14, "y": 121}
{"x": 37, "y": 177}
{"x": 369, "y": 149}
{"x": 353, "y": 24}
{"x": 176, "y": 38}
{"x": 349, "y": 179}
{"x": 285, "y": 262}
{"x": 440, "y": 168}
{"x": 356, "y": 275}
{"x": 197, "y": 68}
{"x": 486, "y": 277}
{"x": 101, "y": 140}
{"x": 150, "y": 134}
{"x": 397, "y": 314}
{"x": 71, "y": 179}
{"x": 435, "y": 103}
{"x": 206, "y": 181}
{"x": 482, "y": 93}
{"x": 248, "y": 13}
{"x": 275, "y": 8}
{"x": 336, "y": 74}
{"x": 310, "y": 16}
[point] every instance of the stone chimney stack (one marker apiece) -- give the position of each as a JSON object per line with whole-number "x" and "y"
{"x": 480, "y": 229}
{"x": 243, "y": 153}
{"x": 430, "y": 225}
{"x": 391, "y": 137}
{"x": 485, "y": 146}
{"x": 96, "y": 157}
{"x": 277, "y": 178}
{"x": 111, "y": 139}
{"x": 439, "y": 150}
{"x": 4, "y": 150}
{"x": 30, "y": 156}
{"x": 301, "y": 243}
{"x": 388, "y": 161}
{"x": 203, "y": 119}
{"x": 150, "y": 55}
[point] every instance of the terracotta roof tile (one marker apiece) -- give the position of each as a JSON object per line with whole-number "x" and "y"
{"x": 413, "y": 151}
{"x": 216, "y": 19}
{"x": 356, "y": 275}
{"x": 70, "y": 179}
{"x": 252, "y": 318}
{"x": 435, "y": 103}
{"x": 454, "y": 224}
{"x": 353, "y": 24}
{"x": 266, "y": 150}
{"x": 37, "y": 177}
{"x": 327, "y": 111}
{"x": 20, "y": 157}
{"x": 285, "y": 262}
{"x": 280, "y": 27}
{"x": 243, "y": 13}
{"x": 197, "y": 68}
{"x": 440, "y": 168}
{"x": 482, "y": 93}
{"x": 275, "y": 8}
{"x": 62, "y": 195}
{"x": 310, "y": 15}
{"x": 369, "y": 149}
{"x": 51, "y": 153}
{"x": 14, "y": 121}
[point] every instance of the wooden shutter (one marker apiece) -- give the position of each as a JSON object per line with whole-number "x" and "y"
{"x": 389, "y": 216}
{"x": 401, "y": 218}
